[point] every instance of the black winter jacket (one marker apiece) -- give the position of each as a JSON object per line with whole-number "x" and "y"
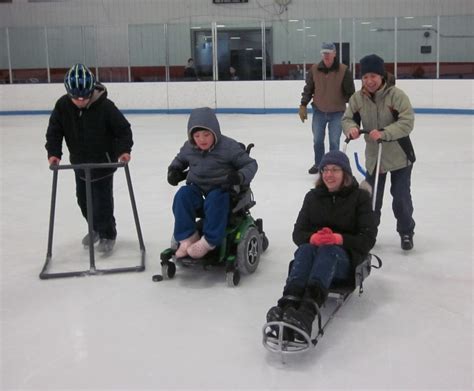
{"x": 98, "y": 133}
{"x": 347, "y": 212}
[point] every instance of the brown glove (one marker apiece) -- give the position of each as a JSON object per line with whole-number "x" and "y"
{"x": 303, "y": 113}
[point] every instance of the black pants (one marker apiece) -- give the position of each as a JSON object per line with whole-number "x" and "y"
{"x": 102, "y": 204}
{"x": 402, "y": 205}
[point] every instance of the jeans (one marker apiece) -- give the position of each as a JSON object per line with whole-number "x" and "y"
{"x": 102, "y": 204}
{"x": 320, "y": 120}
{"x": 215, "y": 207}
{"x": 402, "y": 205}
{"x": 319, "y": 265}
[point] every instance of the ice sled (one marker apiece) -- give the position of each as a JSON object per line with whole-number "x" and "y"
{"x": 281, "y": 337}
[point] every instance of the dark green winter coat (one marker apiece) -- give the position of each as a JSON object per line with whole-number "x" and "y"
{"x": 347, "y": 212}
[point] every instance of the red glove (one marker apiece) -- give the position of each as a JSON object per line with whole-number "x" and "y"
{"x": 325, "y": 237}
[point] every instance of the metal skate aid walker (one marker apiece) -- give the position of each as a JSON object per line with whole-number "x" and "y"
{"x": 275, "y": 334}
{"x": 87, "y": 167}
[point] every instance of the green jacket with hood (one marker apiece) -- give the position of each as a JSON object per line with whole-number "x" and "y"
{"x": 388, "y": 109}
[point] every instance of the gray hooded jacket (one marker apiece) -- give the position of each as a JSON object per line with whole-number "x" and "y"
{"x": 209, "y": 169}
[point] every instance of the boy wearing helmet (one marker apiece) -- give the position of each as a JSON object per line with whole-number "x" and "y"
{"x": 95, "y": 131}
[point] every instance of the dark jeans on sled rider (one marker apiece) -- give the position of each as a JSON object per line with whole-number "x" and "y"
{"x": 334, "y": 232}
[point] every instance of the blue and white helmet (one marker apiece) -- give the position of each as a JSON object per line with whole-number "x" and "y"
{"x": 79, "y": 81}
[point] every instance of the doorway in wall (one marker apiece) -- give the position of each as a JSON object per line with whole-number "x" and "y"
{"x": 345, "y": 53}
{"x": 240, "y": 49}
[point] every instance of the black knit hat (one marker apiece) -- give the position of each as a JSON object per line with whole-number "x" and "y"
{"x": 372, "y": 64}
{"x": 338, "y": 158}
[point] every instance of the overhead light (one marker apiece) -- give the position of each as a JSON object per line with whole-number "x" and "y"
{"x": 293, "y": 20}
{"x": 299, "y": 29}
{"x": 259, "y": 58}
{"x": 426, "y": 25}
{"x": 234, "y": 38}
{"x": 248, "y": 48}
{"x": 365, "y": 22}
{"x": 311, "y": 35}
{"x": 408, "y": 17}
{"x": 220, "y": 25}
{"x": 374, "y": 30}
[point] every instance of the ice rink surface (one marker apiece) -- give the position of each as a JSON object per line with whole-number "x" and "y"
{"x": 411, "y": 329}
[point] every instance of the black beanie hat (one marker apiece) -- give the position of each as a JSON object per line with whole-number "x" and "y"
{"x": 372, "y": 64}
{"x": 338, "y": 158}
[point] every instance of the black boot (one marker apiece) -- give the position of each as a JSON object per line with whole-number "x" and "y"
{"x": 303, "y": 318}
{"x": 274, "y": 314}
{"x": 316, "y": 293}
{"x": 406, "y": 241}
{"x": 291, "y": 299}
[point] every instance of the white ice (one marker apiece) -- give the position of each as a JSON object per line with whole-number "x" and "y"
{"x": 411, "y": 329}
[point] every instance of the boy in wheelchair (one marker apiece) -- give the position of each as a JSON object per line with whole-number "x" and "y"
{"x": 212, "y": 164}
{"x": 334, "y": 232}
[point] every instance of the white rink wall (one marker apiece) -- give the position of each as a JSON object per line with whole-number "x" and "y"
{"x": 241, "y": 96}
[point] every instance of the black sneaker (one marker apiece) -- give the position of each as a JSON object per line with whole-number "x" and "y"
{"x": 105, "y": 245}
{"x": 313, "y": 170}
{"x": 95, "y": 239}
{"x": 406, "y": 242}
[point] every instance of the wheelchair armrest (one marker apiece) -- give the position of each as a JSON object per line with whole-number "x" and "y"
{"x": 244, "y": 200}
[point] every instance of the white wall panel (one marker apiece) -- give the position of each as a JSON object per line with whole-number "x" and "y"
{"x": 185, "y": 95}
{"x": 283, "y": 94}
{"x": 437, "y": 94}
{"x": 138, "y": 96}
{"x": 241, "y": 94}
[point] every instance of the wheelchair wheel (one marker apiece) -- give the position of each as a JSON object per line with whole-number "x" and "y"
{"x": 248, "y": 251}
{"x": 168, "y": 270}
{"x": 265, "y": 242}
{"x": 232, "y": 278}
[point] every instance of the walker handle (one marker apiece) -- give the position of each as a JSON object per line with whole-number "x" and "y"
{"x": 55, "y": 167}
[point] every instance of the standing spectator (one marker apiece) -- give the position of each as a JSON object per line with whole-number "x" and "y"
{"x": 386, "y": 112}
{"x": 233, "y": 74}
{"x": 190, "y": 71}
{"x": 95, "y": 132}
{"x": 330, "y": 85}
